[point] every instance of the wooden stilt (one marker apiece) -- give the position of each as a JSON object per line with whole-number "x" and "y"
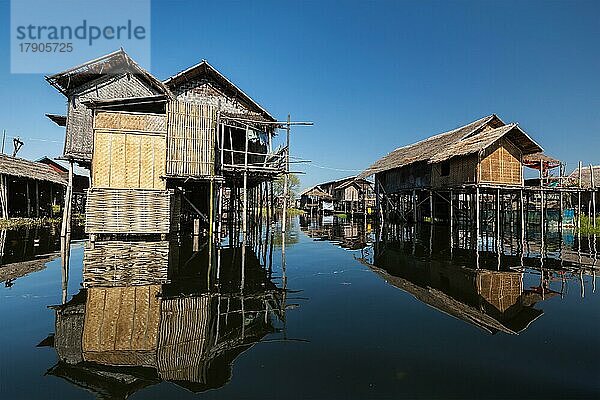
{"x": 593, "y": 187}
{"x": 477, "y": 219}
{"x": 37, "y": 199}
{"x": 28, "y": 198}
{"x": 414, "y": 205}
{"x": 286, "y": 176}
{"x": 66, "y": 222}
{"x": 431, "y": 216}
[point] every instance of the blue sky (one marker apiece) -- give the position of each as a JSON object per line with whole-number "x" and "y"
{"x": 372, "y": 75}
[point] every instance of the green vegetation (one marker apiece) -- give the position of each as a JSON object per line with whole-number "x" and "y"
{"x": 587, "y": 226}
{"x": 15, "y": 223}
{"x": 293, "y": 185}
{"x": 294, "y": 211}
{"x": 342, "y": 216}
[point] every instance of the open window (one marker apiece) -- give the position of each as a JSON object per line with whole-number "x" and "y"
{"x": 445, "y": 168}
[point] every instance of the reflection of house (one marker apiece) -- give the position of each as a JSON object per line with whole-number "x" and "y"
{"x": 29, "y": 188}
{"x": 349, "y": 195}
{"x": 125, "y": 334}
{"x": 491, "y": 300}
{"x": 350, "y": 236}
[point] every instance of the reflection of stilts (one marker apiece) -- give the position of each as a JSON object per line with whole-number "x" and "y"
{"x": 65, "y": 254}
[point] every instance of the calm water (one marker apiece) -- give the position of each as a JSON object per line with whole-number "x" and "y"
{"x": 350, "y": 315}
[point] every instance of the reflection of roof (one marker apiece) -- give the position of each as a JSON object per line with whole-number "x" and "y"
{"x": 465, "y": 312}
{"x": 19, "y": 269}
{"x": 22, "y": 168}
{"x": 461, "y": 141}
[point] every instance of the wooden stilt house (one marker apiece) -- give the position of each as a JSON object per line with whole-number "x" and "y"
{"x": 29, "y": 188}
{"x": 162, "y": 153}
{"x": 486, "y": 151}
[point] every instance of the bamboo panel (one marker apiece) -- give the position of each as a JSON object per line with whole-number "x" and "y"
{"x": 121, "y": 325}
{"x": 132, "y": 211}
{"x": 190, "y": 139}
{"x": 125, "y": 263}
{"x": 130, "y": 122}
{"x": 128, "y": 161}
{"x": 183, "y": 338}
{"x": 501, "y": 164}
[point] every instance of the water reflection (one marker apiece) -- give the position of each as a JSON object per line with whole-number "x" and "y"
{"x": 496, "y": 282}
{"x": 152, "y": 311}
{"x": 28, "y": 249}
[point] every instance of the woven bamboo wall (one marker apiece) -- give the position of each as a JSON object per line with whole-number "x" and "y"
{"x": 132, "y": 211}
{"x": 79, "y": 132}
{"x": 183, "y": 338}
{"x": 129, "y": 150}
{"x": 190, "y": 139}
{"x": 121, "y": 325}
{"x": 462, "y": 170}
{"x": 118, "y": 263}
{"x": 501, "y": 164}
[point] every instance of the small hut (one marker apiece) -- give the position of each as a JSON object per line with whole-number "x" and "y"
{"x": 29, "y": 188}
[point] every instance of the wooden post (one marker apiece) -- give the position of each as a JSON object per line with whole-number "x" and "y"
{"x": 522, "y": 220}
{"x": 245, "y": 204}
{"x": 286, "y": 177}
{"x": 477, "y": 219}
{"x": 37, "y": 199}
{"x": 66, "y": 222}
{"x": 28, "y": 198}
{"x": 451, "y": 216}
{"x": 593, "y": 187}
{"x": 561, "y": 205}
{"x": 414, "y": 204}
{"x": 4, "y": 196}
{"x": 579, "y": 209}
{"x": 431, "y": 205}
{"x": 498, "y": 217}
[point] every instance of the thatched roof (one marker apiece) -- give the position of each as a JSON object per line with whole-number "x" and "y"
{"x": 468, "y": 139}
{"x": 533, "y": 161}
{"x": 22, "y": 168}
{"x": 204, "y": 69}
{"x": 586, "y": 176}
{"x": 114, "y": 63}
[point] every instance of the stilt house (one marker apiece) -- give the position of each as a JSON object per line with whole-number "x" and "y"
{"x": 29, "y": 188}
{"x": 486, "y": 151}
{"x": 163, "y": 153}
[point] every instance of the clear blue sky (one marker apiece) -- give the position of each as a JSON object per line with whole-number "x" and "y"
{"x": 371, "y": 75}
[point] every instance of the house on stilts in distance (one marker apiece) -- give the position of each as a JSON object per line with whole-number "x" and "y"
{"x": 349, "y": 195}
{"x": 167, "y": 155}
{"x": 29, "y": 189}
{"x": 467, "y": 172}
